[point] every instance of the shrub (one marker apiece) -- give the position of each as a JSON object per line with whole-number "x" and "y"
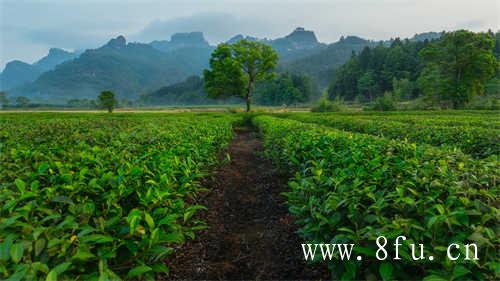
{"x": 479, "y": 142}
{"x": 385, "y": 102}
{"x": 88, "y": 198}
{"x": 325, "y": 105}
{"x": 352, "y": 188}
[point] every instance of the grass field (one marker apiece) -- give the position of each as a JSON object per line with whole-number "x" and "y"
{"x": 116, "y": 196}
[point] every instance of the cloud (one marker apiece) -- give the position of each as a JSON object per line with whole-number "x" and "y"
{"x": 216, "y": 26}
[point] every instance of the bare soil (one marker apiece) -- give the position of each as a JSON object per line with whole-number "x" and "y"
{"x": 251, "y": 234}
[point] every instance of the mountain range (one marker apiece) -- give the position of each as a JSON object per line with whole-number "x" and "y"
{"x": 134, "y": 69}
{"x": 17, "y": 72}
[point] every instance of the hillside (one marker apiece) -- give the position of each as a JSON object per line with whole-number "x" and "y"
{"x": 189, "y": 91}
{"x": 17, "y": 72}
{"x": 128, "y": 69}
{"x": 298, "y": 44}
{"x": 135, "y": 69}
{"x": 321, "y": 65}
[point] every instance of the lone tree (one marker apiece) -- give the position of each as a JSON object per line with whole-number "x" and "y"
{"x": 107, "y": 100}
{"x": 235, "y": 68}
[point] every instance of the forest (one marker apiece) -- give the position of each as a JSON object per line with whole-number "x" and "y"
{"x": 447, "y": 72}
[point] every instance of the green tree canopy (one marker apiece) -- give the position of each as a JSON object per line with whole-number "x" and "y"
{"x": 107, "y": 100}
{"x": 458, "y": 66}
{"x": 3, "y": 99}
{"x": 22, "y": 101}
{"x": 286, "y": 89}
{"x": 236, "y": 68}
{"x": 367, "y": 75}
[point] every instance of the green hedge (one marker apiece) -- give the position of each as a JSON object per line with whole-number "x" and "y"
{"x": 352, "y": 188}
{"x": 93, "y": 197}
{"x": 479, "y": 142}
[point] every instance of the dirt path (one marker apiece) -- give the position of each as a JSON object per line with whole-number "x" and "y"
{"x": 251, "y": 234}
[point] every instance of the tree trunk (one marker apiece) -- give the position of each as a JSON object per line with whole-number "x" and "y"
{"x": 249, "y": 94}
{"x": 248, "y": 103}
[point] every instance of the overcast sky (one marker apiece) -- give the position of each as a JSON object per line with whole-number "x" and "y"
{"x": 29, "y": 28}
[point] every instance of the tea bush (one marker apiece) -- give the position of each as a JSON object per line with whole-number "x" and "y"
{"x": 95, "y": 197}
{"x": 476, "y": 141}
{"x": 438, "y": 120}
{"x": 351, "y": 188}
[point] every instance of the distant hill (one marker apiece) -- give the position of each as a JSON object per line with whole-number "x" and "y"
{"x": 322, "y": 65}
{"x": 189, "y": 91}
{"x": 17, "y": 72}
{"x": 427, "y": 36}
{"x": 135, "y": 69}
{"x": 181, "y": 41}
{"x": 128, "y": 69}
{"x": 300, "y": 43}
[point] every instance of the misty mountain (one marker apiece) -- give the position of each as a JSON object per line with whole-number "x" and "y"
{"x": 17, "y": 72}
{"x": 128, "y": 69}
{"x": 181, "y": 41}
{"x": 321, "y": 65}
{"x": 135, "y": 69}
{"x": 300, "y": 43}
{"x": 427, "y": 36}
{"x": 187, "y": 92}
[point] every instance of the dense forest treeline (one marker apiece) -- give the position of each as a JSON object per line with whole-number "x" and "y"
{"x": 445, "y": 72}
{"x": 283, "y": 89}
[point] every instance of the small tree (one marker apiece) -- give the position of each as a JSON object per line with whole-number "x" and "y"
{"x": 367, "y": 85}
{"x": 22, "y": 101}
{"x": 236, "y": 68}
{"x": 3, "y": 99}
{"x": 107, "y": 100}
{"x": 385, "y": 102}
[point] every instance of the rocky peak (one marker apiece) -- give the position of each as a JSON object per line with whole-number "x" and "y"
{"x": 57, "y": 52}
{"x": 188, "y": 38}
{"x": 16, "y": 64}
{"x": 182, "y": 40}
{"x": 239, "y": 37}
{"x": 235, "y": 39}
{"x": 117, "y": 43}
{"x": 303, "y": 37}
{"x": 353, "y": 40}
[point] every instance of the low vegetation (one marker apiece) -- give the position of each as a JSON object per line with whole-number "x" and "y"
{"x": 90, "y": 197}
{"x": 479, "y": 142}
{"x": 351, "y": 188}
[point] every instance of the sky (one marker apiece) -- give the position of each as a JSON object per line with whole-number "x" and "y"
{"x": 28, "y": 28}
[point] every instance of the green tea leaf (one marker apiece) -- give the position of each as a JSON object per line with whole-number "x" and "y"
{"x": 52, "y": 276}
{"x": 138, "y": 271}
{"x": 20, "y": 185}
{"x": 149, "y": 220}
{"x": 16, "y": 252}
{"x": 434, "y": 278}
{"x": 385, "y": 271}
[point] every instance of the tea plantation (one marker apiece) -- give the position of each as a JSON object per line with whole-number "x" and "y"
{"x": 97, "y": 197}
{"x": 111, "y": 196}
